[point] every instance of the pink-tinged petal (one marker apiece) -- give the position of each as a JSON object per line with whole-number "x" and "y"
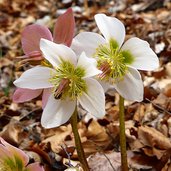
{"x": 89, "y": 65}
{"x": 31, "y": 36}
{"x": 46, "y": 93}
{"x": 15, "y": 151}
{"x": 35, "y": 167}
{"x": 33, "y": 56}
{"x": 144, "y": 57}
{"x": 87, "y": 42}
{"x": 64, "y": 28}
{"x": 131, "y": 87}
{"x": 4, "y": 152}
{"x": 35, "y": 78}
{"x": 56, "y": 53}
{"x": 23, "y": 95}
{"x": 93, "y": 100}
{"x": 111, "y": 28}
{"x": 57, "y": 112}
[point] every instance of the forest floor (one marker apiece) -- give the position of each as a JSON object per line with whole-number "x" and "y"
{"x": 148, "y": 123}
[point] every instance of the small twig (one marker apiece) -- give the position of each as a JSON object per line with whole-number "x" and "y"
{"x": 159, "y": 107}
{"x": 86, "y": 5}
{"x": 109, "y": 162}
{"x": 29, "y": 113}
{"x": 99, "y": 149}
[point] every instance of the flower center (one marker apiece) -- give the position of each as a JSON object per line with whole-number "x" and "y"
{"x": 113, "y": 61}
{"x": 68, "y": 81}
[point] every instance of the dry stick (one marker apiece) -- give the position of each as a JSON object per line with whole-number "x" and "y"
{"x": 99, "y": 150}
{"x": 79, "y": 148}
{"x": 86, "y": 8}
{"x": 109, "y": 162}
{"x": 158, "y": 106}
{"x": 124, "y": 162}
{"x": 86, "y": 5}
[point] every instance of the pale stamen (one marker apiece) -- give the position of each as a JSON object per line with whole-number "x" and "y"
{"x": 34, "y": 58}
{"x": 61, "y": 88}
{"x": 105, "y": 68}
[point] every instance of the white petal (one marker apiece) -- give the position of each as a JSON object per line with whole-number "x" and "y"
{"x": 89, "y": 65}
{"x": 57, "y": 112}
{"x": 111, "y": 27}
{"x": 94, "y": 99}
{"x": 87, "y": 42}
{"x": 106, "y": 85}
{"x": 131, "y": 87}
{"x": 55, "y": 52}
{"x": 45, "y": 96}
{"x": 145, "y": 58}
{"x": 35, "y": 78}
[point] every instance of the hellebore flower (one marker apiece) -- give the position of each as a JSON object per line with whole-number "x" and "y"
{"x": 14, "y": 159}
{"x": 63, "y": 33}
{"x": 119, "y": 63}
{"x": 71, "y": 81}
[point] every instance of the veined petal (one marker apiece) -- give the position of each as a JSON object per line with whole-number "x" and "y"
{"x": 89, "y": 65}
{"x": 57, "y": 112}
{"x": 94, "y": 99}
{"x": 87, "y": 42}
{"x": 54, "y": 53}
{"x": 35, "y": 78}
{"x": 31, "y": 36}
{"x": 111, "y": 28}
{"x": 15, "y": 151}
{"x": 4, "y": 152}
{"x": 106, "y": 85}
{"x": 23, "y": 95}
{"x": 46, "y": 93}
{"x": 35, "y": 167}
{"x": 131, "y": 87}
{"x": 64, "y": 28}
{"x": 145, "y": 58}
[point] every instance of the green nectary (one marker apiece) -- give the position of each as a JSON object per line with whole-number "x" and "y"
{"x": 68, "y": 81}
{"x": 117, "y": 59}
{"x": 12, "y": 163}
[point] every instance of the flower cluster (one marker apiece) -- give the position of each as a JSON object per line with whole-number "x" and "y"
{"x": 12, "y": 158}
{"x": 74, "y": 71}
{"x": 63, "y": 33}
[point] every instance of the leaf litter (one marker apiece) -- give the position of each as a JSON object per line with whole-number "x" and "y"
{"x": 148, "y": 124}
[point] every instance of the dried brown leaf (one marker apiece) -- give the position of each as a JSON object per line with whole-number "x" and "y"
{"x": 153, "y": 138}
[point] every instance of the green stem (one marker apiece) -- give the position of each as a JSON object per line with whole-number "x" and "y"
{"x": 124, "y": 162}
{"x": 79, "y": 148}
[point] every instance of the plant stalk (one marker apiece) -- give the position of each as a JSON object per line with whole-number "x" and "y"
{"x": 78, "y": 145}
{"x": 124, "y": 163}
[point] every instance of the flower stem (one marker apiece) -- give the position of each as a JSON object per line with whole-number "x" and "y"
{"x": 124, "y": 162}
{"x": 79, "y": 148}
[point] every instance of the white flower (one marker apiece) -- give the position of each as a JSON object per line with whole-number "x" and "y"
{"x": 71, "y": 81}
{"x": 118, "y": 62}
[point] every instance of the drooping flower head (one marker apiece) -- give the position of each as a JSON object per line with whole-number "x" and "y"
{"x": 30, "y": 39}
{"x": 63, "y": 33}
{"x": 71, "y": 81}
{"x": 14, "y": 159}
{"x": 119, "y": 62}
